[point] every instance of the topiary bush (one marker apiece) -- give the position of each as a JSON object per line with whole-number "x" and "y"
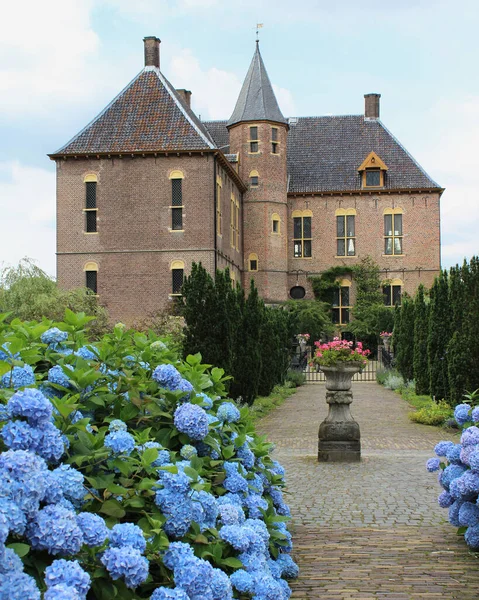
{"x": 458, "y": 469}
{"x": 125, "y": 473}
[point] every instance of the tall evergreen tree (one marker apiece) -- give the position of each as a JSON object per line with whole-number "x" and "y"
{"x": 438, "y": 337}
{"x": 404, "y": 338}
{"x": 247, "y": 363}
{"x": 420, "y": 363}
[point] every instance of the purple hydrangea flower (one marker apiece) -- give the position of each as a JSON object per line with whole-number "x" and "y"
{"x": 18, "y": 377}
{"x": 18, "y": 586}
{"x": 93, "y": 528}
{"x": 228, "y": 413}
{"x": 242, "y": 581}
{"x": 32, "y": 405}
{"x": 472, "y": 537}
{"x": 69, "y": 573}
{"x": 469, "y": 514}
{"x": 442, "y": 448}
{"x": 120, "y": 442}
{"x": 62, "y": 592}
{"x": 177, "y": 552}
{"x": 475, "y": 414}
{"x": 470, "y": 436}
{"x": 163, "y": 593}
{"x": 126, "y": 563}
{"x": 445, "y": 499}
{"x": 192, "y": 420}
{"x": 433, "y": 464}
{"x": 127, "y": 534}
{"x": 167, "y": 376}
{"x": 193, "y": 575}
{"x": 57, "y": 375}
{"x": 461, "y": 414}
{"x": 54, "y": 336}
{"x": 10, "y": 561}
{"x": 55, "y": 530}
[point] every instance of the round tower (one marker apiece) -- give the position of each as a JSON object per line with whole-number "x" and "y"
{"x": 258, "y": 133}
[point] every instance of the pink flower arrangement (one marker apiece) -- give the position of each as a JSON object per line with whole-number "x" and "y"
{"x": 385, "y": 334}
{"x": 339, "y": 351}
{"x": 303, "y": 337}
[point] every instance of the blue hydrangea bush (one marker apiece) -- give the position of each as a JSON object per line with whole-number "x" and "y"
{"x": 127, "y": 473}
{"x": 458, "y": 472}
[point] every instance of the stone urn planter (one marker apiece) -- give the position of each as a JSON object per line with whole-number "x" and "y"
{"x": 339, "y": 438}
{"x": 386, "y": 340}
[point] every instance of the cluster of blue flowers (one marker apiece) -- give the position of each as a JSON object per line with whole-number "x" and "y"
{"x": 459, "y": 474}
{"x": 44, "y": 501}
{"x": 124, "y": 557}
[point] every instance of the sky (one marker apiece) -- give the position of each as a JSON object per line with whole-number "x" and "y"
{"x": 62, "y": 61}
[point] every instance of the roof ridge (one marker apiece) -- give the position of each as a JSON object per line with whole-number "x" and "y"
{"x": 408, "y": 153}
{"x": 179, "y": 104}
{"x": 101, "y": 113}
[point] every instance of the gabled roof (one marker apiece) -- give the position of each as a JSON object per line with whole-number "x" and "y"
{"x": 324, "y": 154}
{"x": 256, "y": 101}
{"x": 147, "y": 116}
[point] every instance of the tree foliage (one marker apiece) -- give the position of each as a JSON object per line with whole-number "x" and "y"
{"x": 420, "y": 359}
{"x": 248, "y": 340}
{"x": 403, "y": 338}
{"x": 438, "y": 337}
{"x": 28, "y": 293}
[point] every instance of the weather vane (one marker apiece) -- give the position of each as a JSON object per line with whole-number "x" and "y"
{"x": 258, "y": 27}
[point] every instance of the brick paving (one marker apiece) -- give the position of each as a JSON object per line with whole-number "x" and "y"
{"x": 371, "y": 529}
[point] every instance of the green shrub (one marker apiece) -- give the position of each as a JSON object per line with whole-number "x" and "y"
{"x": 436, "y": 413}
{"x": 296, "y": 378}
{"x": 393, "y": 382}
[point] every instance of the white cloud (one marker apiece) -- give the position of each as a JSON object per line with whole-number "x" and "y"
{"x": 452, "y": 149}
{"x": 28, "y": 215}
{"x": 50, "y": 55}
{"x": 215, "y": 91}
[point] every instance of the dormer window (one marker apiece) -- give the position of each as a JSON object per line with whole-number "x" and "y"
{"x": 373, "y": 177}
{"x": 372, "y": 172}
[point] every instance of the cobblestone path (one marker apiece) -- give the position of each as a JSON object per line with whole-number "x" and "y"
{"x": 371, "y": 529}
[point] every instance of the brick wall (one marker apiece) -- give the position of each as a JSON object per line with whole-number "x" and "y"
{"x": 134, "y": 246}
{"x": 260, "y": 204}
{"x": 420, "y": 261}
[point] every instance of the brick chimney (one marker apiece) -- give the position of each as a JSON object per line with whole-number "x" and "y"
{"x": 371, "y": 106}
{"x": 185, "y": 96}
{"x": 152, "y": 51}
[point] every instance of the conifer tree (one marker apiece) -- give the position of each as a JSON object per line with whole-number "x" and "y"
{"x": 404, "y": 338}
{"x": 247, "y": 363}
{"x": 438, "y": 337}
{"x": 420, "y": 362}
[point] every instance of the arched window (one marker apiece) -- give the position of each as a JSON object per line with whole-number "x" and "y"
{"x": 254, "y": 178}
{"x": 392, "y": 292}
{"x": 302, "y": 241}
{"x": 342, "y": 302}
{"x": 176, "y": 200}
{"x": 346, "y": 232}
{"x": 91, "y": 276}
{"x": 393, "y": 231}
{"x": 177, "y": 268}
{"x": 253, "y": 262}
{"x": 90, "y": 209}
{"x": 275, "y": 223}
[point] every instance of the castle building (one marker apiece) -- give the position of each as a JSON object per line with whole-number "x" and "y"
{"x": 147, "y": 188}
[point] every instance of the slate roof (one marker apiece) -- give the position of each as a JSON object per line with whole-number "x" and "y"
{"x": 256, "y": 101}
{"x": 324, "y": 154}
{"x": 148, "y": 115}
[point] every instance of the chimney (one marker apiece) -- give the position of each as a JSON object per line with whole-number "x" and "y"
{"x": 185, "y": 96}
{"x": 152, "y": 51}
{"x": 371, "y": 106}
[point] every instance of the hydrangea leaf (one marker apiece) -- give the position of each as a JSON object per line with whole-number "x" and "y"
{"x": 113, "y": 508}
{"x": 20, "y": 549}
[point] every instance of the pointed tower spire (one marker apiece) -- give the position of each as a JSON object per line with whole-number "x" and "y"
{"x": 256, "y": 101}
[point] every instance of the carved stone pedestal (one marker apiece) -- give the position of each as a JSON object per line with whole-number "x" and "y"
{"x": 339, "y": 438}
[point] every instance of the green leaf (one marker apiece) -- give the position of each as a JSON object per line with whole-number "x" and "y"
{"x": 113, "y": 508}
{"x": 201, "y": 539}
{"x": 20, "y": 549}
{"x": 228, "y": 451}
{"x": 235, "y": 563}
{"x": 149, "y": 456}
{"x": 192, "y": 474}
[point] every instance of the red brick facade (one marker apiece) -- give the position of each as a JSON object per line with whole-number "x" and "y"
{"x": 148, "y": 136}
